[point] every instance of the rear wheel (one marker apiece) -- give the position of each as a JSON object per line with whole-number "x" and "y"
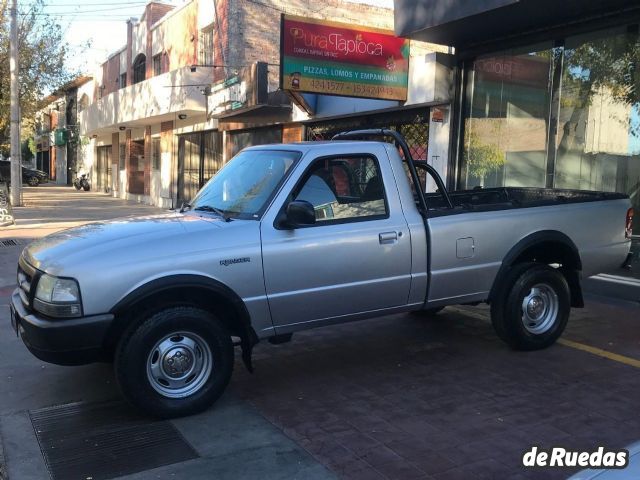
{"x": 177, "y": 362}
{"x": 532, "y": 308}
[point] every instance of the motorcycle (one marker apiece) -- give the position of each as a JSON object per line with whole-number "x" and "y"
{"x": 82, "y": 182}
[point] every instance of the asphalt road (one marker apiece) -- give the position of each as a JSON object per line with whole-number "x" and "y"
{"x": 394, "y": 397}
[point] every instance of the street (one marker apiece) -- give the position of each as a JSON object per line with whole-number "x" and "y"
{"x": 396, "y": 397}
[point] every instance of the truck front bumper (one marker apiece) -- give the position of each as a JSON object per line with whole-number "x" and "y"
{"x": 76, "y": 341}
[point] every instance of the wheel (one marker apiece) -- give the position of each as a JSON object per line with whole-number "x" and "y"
{"x": 427, "y": 312}
{"x": 33, "y": 181}
{"x": 77, "y": 185}
{"x": 177, "y": 362}
{"x": 86, "y": 187}
{"x": 532, "y": 308}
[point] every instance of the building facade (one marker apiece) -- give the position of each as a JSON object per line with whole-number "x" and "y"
{"x": 195, "y": 84}
{"x": 546, "y": 93}
{"x": 57, "y": 135}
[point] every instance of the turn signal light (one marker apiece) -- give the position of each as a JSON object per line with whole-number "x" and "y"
{"x": 628, "y": 229}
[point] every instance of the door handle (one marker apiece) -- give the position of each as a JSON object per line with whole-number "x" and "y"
{"x": 388, "y": 237}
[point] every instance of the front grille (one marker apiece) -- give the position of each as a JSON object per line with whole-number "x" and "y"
{"x": 26, "y": 274}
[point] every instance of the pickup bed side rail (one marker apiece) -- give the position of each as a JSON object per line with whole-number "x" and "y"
{"x": 401, "y": 142}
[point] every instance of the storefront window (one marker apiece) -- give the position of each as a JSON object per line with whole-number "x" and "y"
{"x": 563, "y": 117}
{"x": 598, "y": 141}
{"x": 507, "y": 106}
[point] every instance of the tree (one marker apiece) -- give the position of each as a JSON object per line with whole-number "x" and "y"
{"x": 28, "y": 149}
{"x": 42, "y": 52}
{"x": 481, "y": 158}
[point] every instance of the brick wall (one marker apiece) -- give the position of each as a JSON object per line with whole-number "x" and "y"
{"x": 221, "y": 38}
{"x": 110, "y": 75}
{"x": 147, "y": 160}
{"x": 115, "y": 158}
{"x": 246, "y": 32}
{"x": 292, "y": 133}
{"x": 157, "y": 11}
{"x": 177, "y": 36}
{"x": 166, "y": 145}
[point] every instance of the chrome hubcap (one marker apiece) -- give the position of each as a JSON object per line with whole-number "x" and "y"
{"x": 179, "y": 365}
{"x": 540, "y": 309}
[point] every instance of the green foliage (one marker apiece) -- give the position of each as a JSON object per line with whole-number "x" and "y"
{"x": 28, "y": 149}
{"x": 42, "y": 55}
{"x": 608, "y": 62}
{"x": 481, "y": 158}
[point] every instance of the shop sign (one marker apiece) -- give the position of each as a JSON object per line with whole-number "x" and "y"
{"x": 247, "y": 88}
{"x": 437, "y": 115}
{"x": 43, "y": 143}
{"x": 530, "y": 71}
{"x": 318, "y": 56}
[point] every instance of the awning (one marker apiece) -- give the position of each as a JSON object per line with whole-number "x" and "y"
{"x": 464, "y": 23}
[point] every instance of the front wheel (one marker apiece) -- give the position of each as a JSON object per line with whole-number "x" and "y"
{"x": 33, "y": 181}
{"x": 177, "y": 362}
{"x": 86, "y": 187}
{"x": 532, "y": 308}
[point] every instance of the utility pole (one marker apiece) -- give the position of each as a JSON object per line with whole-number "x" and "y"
{"x": 16, "y": 160}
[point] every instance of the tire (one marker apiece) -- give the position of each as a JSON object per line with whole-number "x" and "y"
{"x": 427, "y": 312}
{"x": 33, "y": 181}
{"x": 159, "y": 351}
{"x": 532, "y": 308}
{"x": 86, "y": 187}
{"x": 77, "y": 185}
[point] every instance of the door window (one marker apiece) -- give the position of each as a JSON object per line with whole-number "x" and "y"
{"x": 344, "y": 189}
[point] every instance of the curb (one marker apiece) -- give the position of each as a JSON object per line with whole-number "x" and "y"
{"x": 614, "y": 286}
{"x": 3, "y": 469}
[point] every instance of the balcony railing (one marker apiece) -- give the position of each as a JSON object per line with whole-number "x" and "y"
{"x": 172, "y": 92}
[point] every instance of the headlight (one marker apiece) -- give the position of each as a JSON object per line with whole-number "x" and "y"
{"x": 57, "y": 297}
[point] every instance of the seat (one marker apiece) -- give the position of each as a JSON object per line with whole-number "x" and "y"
{"x": 374, "y": 190}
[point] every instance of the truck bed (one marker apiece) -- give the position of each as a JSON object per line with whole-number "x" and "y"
{"x": 504, "y": 198}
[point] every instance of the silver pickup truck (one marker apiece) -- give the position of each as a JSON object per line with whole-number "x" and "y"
{"x": 296, "y": 236}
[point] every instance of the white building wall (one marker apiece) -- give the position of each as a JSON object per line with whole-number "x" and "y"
{"x": 438, "y": 146}
{"x": 123, "y": 61}
{"x": 206, "y": 13}
{"x": 139, "y": 41}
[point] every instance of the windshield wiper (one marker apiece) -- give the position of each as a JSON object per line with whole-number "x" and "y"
{"x": 209, "y": 208}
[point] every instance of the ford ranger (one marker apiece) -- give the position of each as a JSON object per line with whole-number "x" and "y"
{"x": 297, "y": 236}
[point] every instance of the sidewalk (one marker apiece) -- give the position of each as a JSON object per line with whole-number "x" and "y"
{"x": 53, "y": 207}
{"x": 49, "y": 208}
{"x": 621, "y": 283}
{"x": 245, "y": 444}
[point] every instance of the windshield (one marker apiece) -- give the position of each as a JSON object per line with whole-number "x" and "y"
{"x": 246, "y": 184}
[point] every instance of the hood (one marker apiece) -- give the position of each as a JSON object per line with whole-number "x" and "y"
{"x": 58, "y": 252}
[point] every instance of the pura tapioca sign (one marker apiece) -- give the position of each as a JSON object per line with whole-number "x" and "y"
{"x": 332, "y": 58}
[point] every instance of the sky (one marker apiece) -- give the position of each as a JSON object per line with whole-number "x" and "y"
{"x": 103, "y": 24}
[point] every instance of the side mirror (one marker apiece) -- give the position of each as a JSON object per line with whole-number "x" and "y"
{"x": 300, "y": 213}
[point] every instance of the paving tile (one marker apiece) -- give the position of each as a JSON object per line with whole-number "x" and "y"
{"x": 357, "y": 442}
{"x": 400, "y": 469}
{"x": 432, "y": 462}
{"x": 464, "y": 406}
{"x": 380, "y": 455}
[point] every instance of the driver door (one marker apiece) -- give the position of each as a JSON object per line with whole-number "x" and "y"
{"x": 356, "y": 257}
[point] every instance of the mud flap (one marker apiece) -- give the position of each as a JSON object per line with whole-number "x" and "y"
{"x": 248, "y": 341}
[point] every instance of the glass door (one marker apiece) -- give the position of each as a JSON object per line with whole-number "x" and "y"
{"x": 507, "y": 118}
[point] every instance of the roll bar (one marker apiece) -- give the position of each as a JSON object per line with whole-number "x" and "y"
{"x": 402, "y": 143}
